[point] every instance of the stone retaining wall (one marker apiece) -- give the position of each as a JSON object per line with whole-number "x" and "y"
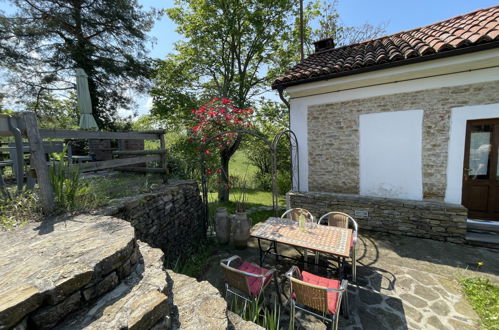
{"x": 170, "y": 218}
{"x": 429, "y": 219}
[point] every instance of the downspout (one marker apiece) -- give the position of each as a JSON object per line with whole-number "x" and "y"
{"x": 286, "y": 102}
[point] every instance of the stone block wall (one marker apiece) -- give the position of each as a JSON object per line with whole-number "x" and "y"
{"x": 170, "y": 218}
{"x": 333, "y": 138}
{"x": 428, "y": 219}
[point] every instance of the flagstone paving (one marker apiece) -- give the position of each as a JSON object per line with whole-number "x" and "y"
{"x": 402, "y": 282}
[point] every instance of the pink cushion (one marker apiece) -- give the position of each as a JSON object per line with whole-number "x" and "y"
{"x": 255, "y": 283}
{"x": 332, "y": 297}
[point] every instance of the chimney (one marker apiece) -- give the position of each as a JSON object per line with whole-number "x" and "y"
{"x": 323, "y": 44}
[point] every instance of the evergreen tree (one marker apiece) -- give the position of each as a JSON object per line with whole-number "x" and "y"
{"x": 46, "y": 40}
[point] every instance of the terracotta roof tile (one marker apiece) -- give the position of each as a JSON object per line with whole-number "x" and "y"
{"x": 465, "y": 31}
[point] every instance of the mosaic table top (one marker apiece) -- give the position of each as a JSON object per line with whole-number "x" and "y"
{"x": 328, "y": 239}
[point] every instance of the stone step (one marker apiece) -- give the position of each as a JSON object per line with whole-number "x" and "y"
{"x": 139, "y": 302}
{"x": 490, "y": 240}
{"x": 482, "y": 225}
{"x": 50, "y": 269}
{"x": 197, "y": 305}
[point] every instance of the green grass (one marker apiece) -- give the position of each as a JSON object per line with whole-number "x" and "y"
{"x": 484, "y": 298}
{"x": 241, "y": 167}
{"x": 102, "y": 189}
{"x": 194, "y": 265}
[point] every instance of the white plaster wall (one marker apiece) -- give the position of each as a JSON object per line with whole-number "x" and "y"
{"x": 457, "y": 137}
{"x": 298, "y": 123}
{"x": 390, "y": 154}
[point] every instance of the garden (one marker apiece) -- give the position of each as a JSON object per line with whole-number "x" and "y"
{"x": 74, "y": 147}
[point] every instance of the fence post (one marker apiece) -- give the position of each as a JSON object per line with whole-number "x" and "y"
{"x": 38, "y": 161}
{"x": 164, "y": 159}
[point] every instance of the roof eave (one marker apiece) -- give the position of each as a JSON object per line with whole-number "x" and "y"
{"x": 448, "y": 53}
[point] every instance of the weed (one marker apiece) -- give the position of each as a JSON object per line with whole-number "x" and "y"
{"x": 484, "y": 298}
{"x": 19, "y": 210}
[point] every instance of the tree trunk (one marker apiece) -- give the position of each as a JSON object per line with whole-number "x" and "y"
{"x": 223, "y": 192}
{"x": 225, "y": 155}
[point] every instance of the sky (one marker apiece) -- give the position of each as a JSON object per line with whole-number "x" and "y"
{"x": 396, "y": 15}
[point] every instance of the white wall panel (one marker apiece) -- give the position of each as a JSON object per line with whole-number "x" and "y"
{"x": 390, "y": 154}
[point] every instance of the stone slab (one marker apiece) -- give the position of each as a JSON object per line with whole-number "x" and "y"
{"x": 47, "y": 263}
{"x": 198, "y": 305}
{"x": 139, "y": 302}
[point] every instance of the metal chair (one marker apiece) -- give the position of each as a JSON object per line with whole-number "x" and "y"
{"x": 244, "y": 279}
{"x": 343, "y": 220}
{"x": 294, "y": 215}
{"x": 322, "y": 295}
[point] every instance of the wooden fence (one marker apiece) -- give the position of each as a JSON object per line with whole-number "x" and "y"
{"x": 27, "y": 124}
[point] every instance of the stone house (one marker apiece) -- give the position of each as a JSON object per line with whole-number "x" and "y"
{"x": 402, "y": 131}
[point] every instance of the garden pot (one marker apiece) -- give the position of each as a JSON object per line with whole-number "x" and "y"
{"x": 240, "y": 230}
{"x": 222, "y": 225}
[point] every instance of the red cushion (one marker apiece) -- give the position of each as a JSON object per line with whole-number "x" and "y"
{"x": 255, "y": 283}
{"x": 332, "y": 297}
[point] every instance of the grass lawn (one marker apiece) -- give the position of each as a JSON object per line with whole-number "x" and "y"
{"x": 241, "y": 167}
{"x": 484, "y": 298}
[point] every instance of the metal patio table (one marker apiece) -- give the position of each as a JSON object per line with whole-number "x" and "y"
{"x": 330, "y": 240}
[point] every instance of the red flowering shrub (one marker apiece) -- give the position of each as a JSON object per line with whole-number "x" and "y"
{"x": 214, "y": 117}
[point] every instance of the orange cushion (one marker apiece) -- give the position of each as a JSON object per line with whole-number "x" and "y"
{"x": 332, "y": 297}
{"x": 255, "y": 283}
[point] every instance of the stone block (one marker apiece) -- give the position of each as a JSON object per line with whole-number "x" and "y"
{"x": 48, "y": 317}
{"x": 108, "y": 283}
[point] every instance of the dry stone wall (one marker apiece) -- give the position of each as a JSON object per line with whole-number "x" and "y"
{"x": 169, "y": 218}
{"x": 333, "y": 140}
{"x": 429, "y": 219}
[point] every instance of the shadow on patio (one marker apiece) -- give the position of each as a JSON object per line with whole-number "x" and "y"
{"x": 402, "y": 282}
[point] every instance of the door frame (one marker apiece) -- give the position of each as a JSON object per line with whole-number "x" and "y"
{"x": 457, "y": 137}
{"x": 492, "y": 182}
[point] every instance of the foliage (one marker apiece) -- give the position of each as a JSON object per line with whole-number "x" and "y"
{"x": 101, "y": 191}
{"x": 215, "y": 117}
{"x": 257, "y": 312}
{"x": 19, "y": 209}
{"x": 331, "y": 27}
{"x": 225, "y": 50}
{"x": 55, "y": 112}
{"x": 484, "y": 298}
{"x": 45, "y": 40}
{"x": 66, "y": 182}
{"x": 193, "y": 263}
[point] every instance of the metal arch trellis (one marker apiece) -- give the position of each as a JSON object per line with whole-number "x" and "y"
{"x": 295, "y": 165}
{"x": 273, "y": 150}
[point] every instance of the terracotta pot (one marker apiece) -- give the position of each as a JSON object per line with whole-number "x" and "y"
{"x": 222, "y": 225}
{"x": 240, "y": 230}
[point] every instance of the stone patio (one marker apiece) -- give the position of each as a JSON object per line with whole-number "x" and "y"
{"x": 402, "y": 282}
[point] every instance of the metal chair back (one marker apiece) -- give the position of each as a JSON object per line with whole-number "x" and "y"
{"x": 236, "y": 279}
{"x": 338, "y": 219}
{"x": 295, "y": 213}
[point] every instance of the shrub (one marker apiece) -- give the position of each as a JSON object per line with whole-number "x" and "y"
{"x": 19, "y": 210}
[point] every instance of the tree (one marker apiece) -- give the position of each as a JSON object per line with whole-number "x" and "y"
{"x": 227, "y": 46}
{"x": 55, "y": 112}
{"x": 46, "y": 40}
{"x": 230, "y": 49}
{"x": 214, "y": 117}
{"x": 329, "y": 26}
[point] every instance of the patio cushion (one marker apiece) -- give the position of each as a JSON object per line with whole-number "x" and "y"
{"x": 255, "y": 283}
{"x": 332, "y": 297}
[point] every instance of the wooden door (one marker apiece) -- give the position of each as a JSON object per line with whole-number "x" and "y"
{"x": 481, "y": 169}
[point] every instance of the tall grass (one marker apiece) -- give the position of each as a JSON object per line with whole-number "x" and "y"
{"x": 66, "y": 182}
